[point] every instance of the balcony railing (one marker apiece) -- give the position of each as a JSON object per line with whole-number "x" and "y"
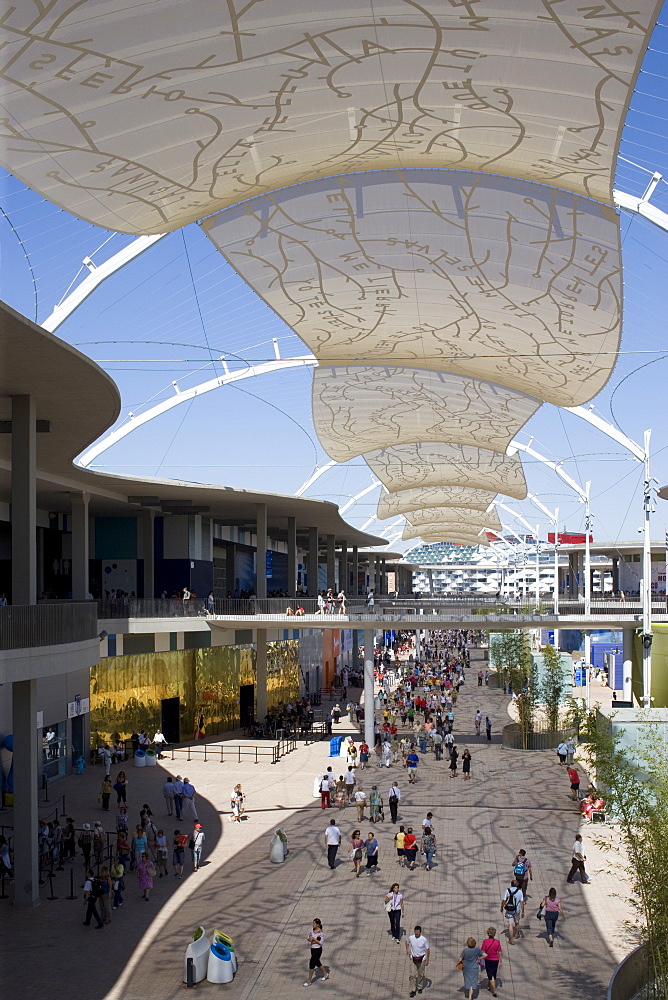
{"x": 25, "y": 625}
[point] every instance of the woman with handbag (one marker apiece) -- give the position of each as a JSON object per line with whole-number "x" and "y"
{"x": 394, "y": 904}
{"x": 468, "y": 965}
{"x": 551, "y": 910}
{"x": 492, "y": 948}
{"x": 356, "y": 851}
{"x": 145, "y": 874}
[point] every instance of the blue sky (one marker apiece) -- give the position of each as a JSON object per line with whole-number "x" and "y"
{"x": 172, "y": 313}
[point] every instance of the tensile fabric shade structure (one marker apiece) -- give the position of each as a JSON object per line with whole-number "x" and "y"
{"x": 393, "y": 504}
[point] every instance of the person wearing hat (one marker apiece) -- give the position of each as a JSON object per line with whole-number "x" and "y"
{"x": 197, "y": 841}
{"x": 85, "y": 842}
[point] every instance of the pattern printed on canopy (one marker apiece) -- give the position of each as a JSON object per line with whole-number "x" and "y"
{"x": 416, "y": 465}
{"x": 490, "y": 277}
{"x": 447, "y": 533}
{"x": 437, "y": 516}
{"x": 144, "y": 117}
{"x": 393, "y": 504}
{"x": 358, "y": 409}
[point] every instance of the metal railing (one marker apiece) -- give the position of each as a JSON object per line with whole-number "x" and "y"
{"x": 235, "y": 751}
{"x": 23, "y": 626}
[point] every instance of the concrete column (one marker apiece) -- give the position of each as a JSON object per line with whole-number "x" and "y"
{"x": 26, "y": 764}
{"x": 292, "y": 556}
{"x": 369, "y": 714}
{"x": 572, "y": 572}
{"x": 331, "y": 562}
{"x": 80, "y": 551}
{"x": 418, "y": 645}
{"x": 356, "y": 570}
{"x": 382, "y": 583}
{"x": 312, "y": 570}
{"x": 343, "y": 569}
{"x": 261, "y": 552}
{"x": 148, "y": 549}
{"x": 230, "y": 567}
{"x": 356, "y": 649}
{"x": 627, "y": 666}
{"x": 24, "y": 502}
{"x": 615, "y": 573}
{"x": 261, "y": 673}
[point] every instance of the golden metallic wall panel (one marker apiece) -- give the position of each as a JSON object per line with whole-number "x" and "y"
{"x": 412, "y": 466}
{"x": 359, "y": 409}
{"x": 488, "y": 277}
{"x": 393, "y": 504}
{"x": 127, "y": 691}
{"x": 145, "y": 116}
{"x": 459, "y": 515}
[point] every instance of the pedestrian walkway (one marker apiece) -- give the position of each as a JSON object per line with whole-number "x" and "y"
{"x": 514, "y": 800}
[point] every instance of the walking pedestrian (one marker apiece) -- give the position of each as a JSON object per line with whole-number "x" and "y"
{"x": 350, "y": 783}
{"x": 399, "y": 838}
{"x": 69, "y": 840}
{"x": 522, "y": 871}
{"x": 340, "y": 794}
{"x": 410, "y": 848}
{"x": 417, "y": 949}
{"x": 364, "y": 755}
{"x": 145, "y": 874}
{"x": 428, "y": 846}
{"x": 179, "y": 841}
{"x": 92, "y": 892}
{"x": 189, "y": 800}
{"x": 371, "y": 847}
{"x": 574, "y": 778}
{"x": 360, "y": 802}
{"x": 374, "y": 804}
{"x": 325, "y": 800}
{"x": 178, "y": 796}
{"x": 477, "y": 721}
{"x": 470, "y": 957}
{"x": 105, "y": 898}
{"x": 512, "y": 907}
{"x": 578, "y": 861}
{"x": 316, "y": 940}
{"x": 466, "y": 765}
{"x": 562, "y": 752}
{"x": 488, "y": 727}
{"x": 106, "y": 792}
{"x": 412, "y": 761}
{"x": 552, "y": 911}
{"x": 168, "y": 792}
{"x": 393, "y": 799}
{"x": 394, "y": 904}
{"x": 356, "y": 852}
{"x": 117, "y": 884}
{"x": 332, "y": 841}
{"x": 198, "y": 838}
{"x": 162, "y": 853}
{"x": 492, "y": 948}
{"x": 236, "y": 804}
{"x": 454, "y": 756}
{"x": 85, "y": 842}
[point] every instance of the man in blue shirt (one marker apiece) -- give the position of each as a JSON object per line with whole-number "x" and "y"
{"x": 371, "y": 845}
{"x": 412, "y": 762}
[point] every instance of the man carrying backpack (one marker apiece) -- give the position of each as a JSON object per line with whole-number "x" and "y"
{"x": 93, "y": 889}
{"x": 512, "y": 907}
{"x": 522, "y": 871}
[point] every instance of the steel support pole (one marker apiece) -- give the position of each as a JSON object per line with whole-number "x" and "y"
{"x": 292, "y": 556}
{"x": 355, "y": 590}
{"x": 369, "y": 714}
{"x": 647, "y": 584}
{"x": 80, "y": 587}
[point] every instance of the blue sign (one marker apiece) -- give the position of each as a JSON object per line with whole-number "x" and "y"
{"x": 269, "y": 564}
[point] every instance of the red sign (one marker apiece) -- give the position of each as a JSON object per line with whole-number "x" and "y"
{"x": 569, "y": 539}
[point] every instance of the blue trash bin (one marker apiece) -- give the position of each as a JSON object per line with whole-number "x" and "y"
{"x": 335, "y": 746}
{"x": 423, "y": 744}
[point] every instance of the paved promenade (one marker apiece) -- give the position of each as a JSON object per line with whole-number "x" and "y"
{"x": 513, "y": 800}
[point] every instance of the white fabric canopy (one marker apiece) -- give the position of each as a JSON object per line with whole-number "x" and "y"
{"x": 416, "y": 465}
{"x": 448, "y": 533}
{"x": 145, "y": 116}
{"x": 359, "y": 409}
{"x": 454, "y": 515}
{"x": 393, "y": 504}
{"x": 489, "y": 277}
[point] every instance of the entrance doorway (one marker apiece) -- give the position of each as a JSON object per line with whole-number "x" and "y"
{"x": 247, "y": 704}
{"x": 171, "y": 719}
